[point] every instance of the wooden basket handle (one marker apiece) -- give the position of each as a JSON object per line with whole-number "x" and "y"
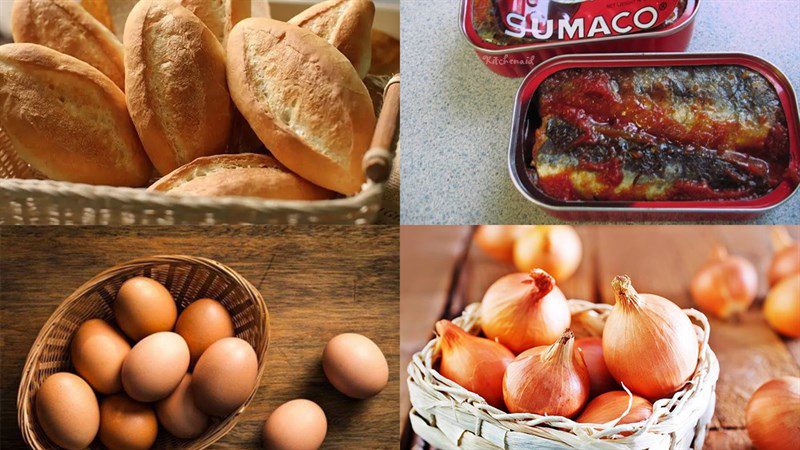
{"x": 377, "y": 163}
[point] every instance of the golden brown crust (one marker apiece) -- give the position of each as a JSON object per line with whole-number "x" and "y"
{"x": 385, "y": 54}
{"x": 68, "y": 120}
{"x": 219, "y": 15}
{"x": 244, "y": 174}
{"x": 99, "y": 10}
{"x": 64, "y": 26}
{"x": 176, "y": 90}
{"x": 346, "y": 24}
{"x": 303, "y": 99}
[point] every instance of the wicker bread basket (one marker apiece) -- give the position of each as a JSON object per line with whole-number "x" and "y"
{"x": 448, "y": 416}
{"x": 27, "y": 199}
{"x": 188, "y": 279}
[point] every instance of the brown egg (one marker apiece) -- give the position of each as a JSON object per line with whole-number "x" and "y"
{"x": 224, "y": 376}
{"x": 179, "y": 414}
{"x": 126, "y": 424}
{"x": 66, "y": 409}
{"x": 295, "y": 425}
{"x": 355, "y": 365}
{"x": 143, "y": 307}
{"x": 155, "y": 366}
{"x": 97, "y": 352}
{"x": 202, "y": 323}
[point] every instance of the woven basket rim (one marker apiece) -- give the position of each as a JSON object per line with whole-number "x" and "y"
{"x": 128, "y": 194}
{"x": 666, "y": 411}
{"x": 370, "y": 190}
{"x": 25, "y": 411}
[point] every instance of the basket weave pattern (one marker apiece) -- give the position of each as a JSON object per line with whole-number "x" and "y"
{"x": 188, "y": 279}
{"x": 27, "y": 199}
{"x": 448, "y": 416}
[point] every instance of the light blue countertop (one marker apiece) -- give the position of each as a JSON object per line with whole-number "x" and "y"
{"x": 456, "y": 114}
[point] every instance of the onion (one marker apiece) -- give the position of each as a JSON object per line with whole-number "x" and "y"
{"x": 522, "y": 311}
{"x": 726, "y": 285}
{"x": 786, "y": 260}
{"x": 773, "y": 414}
{"x": 497, "y": 241}
{"x": 474, "y": 362}
{"x": 556, "y": 249}
{"x": 649, "y": 344}
{"x": 612, "y": 405}
{"x": 547, "y": 380}
{"x": 782, "y": 306}
{"x": 600, "y": 379}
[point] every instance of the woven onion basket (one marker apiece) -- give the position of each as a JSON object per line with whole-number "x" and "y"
{"x": 188, "y": 279}
{"x": 448, "y": 416}
{"x": 28, "y": 199}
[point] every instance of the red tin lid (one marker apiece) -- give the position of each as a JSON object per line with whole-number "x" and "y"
{"x": 511, "y": 24}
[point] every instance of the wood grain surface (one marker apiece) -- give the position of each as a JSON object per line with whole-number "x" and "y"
{"x": 659, "y": 260}
{"x": 318, "y": 282}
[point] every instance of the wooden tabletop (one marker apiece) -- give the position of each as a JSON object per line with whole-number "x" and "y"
{"x": 317, "y": 283}
{"x": 442, "y": 270}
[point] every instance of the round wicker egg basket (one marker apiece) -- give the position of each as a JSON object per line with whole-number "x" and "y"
{"x": 448, "y": 416}
{"x": 188, "y": 279}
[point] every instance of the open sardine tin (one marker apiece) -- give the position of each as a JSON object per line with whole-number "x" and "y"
{"x": 709, "y": 129}
{"x": 513, "y": 36}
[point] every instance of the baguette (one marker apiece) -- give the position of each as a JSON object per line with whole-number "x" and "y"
{"x": 219, "y": 15}
{"x": 68, "y": 120}
{"x": 303, "y": 99}
{"x": 244, "y": 174}
{"x": 177, "y": 94}
{"x": 65, "y": 26}
{"x": 347, "y": 24}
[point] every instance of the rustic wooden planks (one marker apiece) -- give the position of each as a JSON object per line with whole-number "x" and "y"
{"x": 317, "y": 282}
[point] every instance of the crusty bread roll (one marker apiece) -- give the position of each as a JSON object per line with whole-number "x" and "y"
{"x": 176, "y": 89}
{"x": 244, "y": 174}
{"x": 99, "y": 10}
{"x": 303, "y": 99}
{"x": 68, "y": 120}
{"x": 64, "y": 26}
{"x": 385, "y": 54}
{"x": 347, "y": 24}
{"x": 114, "y": 10}
{"x": 219, "y": 15}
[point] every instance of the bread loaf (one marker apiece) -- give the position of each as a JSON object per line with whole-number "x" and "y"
{"x": 176, "y": 89}
{"x": 347, "y": 24}
{"x": 303, "y": 99}
{"x": 111, "y": 13}
{"x": 385, "y": 54}
{"x": 244, "y": 174}
{"x": 99, "y": 10}
{"x": 68, "y": 120}
{"x": 64, "y": 26}
{"x": 219, "y": 15}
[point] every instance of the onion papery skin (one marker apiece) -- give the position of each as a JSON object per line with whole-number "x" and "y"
{"x": 725, "y": 286}
{"x": 556, "y": 249}
{"x": 475, "y": 363}
{"x": 600, "y": 379}
{"x": 496, "y": 241}
{"x": 523, "y": 311}
{"x": 649, "y": 344}
{"x": 782, "y": 306}
{"x": 547, "y": 380}
{"x": 786, "y": 262}
{"x": 611, "y": 405}
{"x": 773, "y": 415}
